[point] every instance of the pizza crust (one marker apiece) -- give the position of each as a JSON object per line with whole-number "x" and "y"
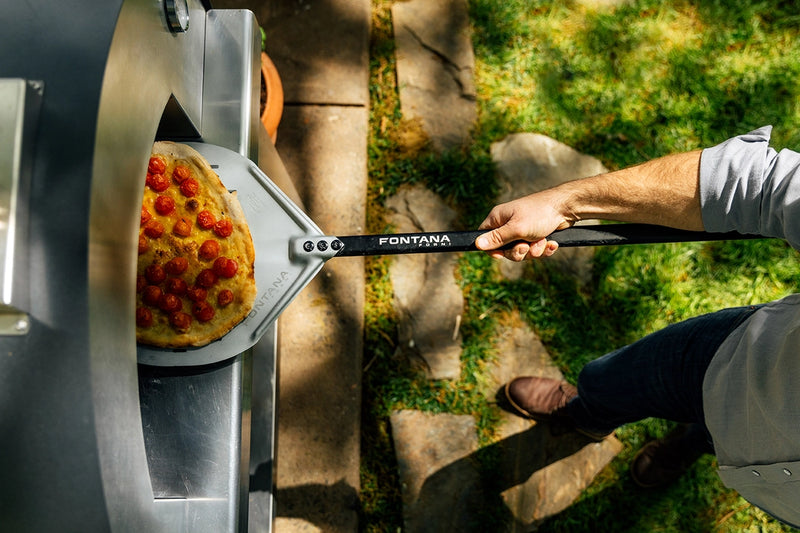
{"x": 214, "y": 197}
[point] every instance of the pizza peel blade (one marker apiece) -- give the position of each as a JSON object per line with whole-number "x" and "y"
{"x": 274, "y": 221}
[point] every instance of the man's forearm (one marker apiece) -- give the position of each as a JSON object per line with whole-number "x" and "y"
{"x": 663, "y": 191}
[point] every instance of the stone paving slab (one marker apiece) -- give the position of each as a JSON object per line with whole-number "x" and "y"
{"x": 320, "y": 48}
{"x": 531, "y": 162}
{"x": 440, "y": 489}
{"x": 537, "y": 470}
{"x": 552, "y": 469}
{"x": 427, "y": 297}
{"x": 435, "y": 64}
{"x": 321, "y": 332}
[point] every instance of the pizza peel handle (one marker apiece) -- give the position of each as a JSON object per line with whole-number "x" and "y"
{"x": 326, "y": 247}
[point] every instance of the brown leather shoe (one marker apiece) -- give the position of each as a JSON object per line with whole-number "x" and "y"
{"x": 663, "y": 461}
{"x": 538, "y": 398}
{"x": 544, "y": 399}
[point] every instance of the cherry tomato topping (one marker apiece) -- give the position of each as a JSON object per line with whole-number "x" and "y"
{"x": 223, "y": 227}
{"x": 181, "y": 173}
{"x": 183, "y": 227}
{"x": 145, "y": 216}
{"x": 151, "y": 295}
{"x": 225, "y": 297}
{"x": 203, "y": 311}
{"x": 154, "y": 229}
{"x": 141, "y": 283}
{"x": 176, "y": 266}
{"x": 225, "y": 268}
{"x": 196, "y": 294}
{"x": 189, "y": 187}
{"x": 157, "y": 182}
{"x": 208, "y": 250}
{"x": 155, "y": 274}
{"x": 142, "y": 244}
{"x": 206, "y": 278}
{"x": 144, "y": 318}
{"x": 176, "y": 286}
{"x": 169, "y": 303}
{"x": 180, "y": 320}
{"x": 205, "y": 219}
{"x": 156, "y": 166}
{"x": 164, "y": 205}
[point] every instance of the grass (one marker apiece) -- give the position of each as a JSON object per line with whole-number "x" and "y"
{"x": 623, "y": 85}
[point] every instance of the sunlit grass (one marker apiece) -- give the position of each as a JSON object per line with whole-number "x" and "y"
{"x": 623, "y": 85}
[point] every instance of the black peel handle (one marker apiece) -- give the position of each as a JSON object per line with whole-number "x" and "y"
{"x": 464, "y": 241}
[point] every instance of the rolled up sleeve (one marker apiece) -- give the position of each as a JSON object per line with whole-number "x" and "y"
{"x": 747, "y": 186}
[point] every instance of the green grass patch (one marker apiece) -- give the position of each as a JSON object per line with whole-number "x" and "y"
{"x": 623, "y": 85}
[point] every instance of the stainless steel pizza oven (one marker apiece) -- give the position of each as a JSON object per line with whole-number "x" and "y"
{"x": 94, "y": 436}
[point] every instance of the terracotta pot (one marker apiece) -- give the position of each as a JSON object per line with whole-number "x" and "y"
{"x": 273, "y": 106}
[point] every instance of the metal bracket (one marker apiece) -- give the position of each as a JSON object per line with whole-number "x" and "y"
{"x": 309, "y": 247}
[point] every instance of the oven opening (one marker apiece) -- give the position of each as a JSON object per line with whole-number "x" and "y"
{"x": 175, "y": 124}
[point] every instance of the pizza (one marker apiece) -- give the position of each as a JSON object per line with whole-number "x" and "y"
{"x": 194, "y": 276}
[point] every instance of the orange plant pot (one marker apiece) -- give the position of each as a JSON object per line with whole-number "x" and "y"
{"x": 273, "y": 107}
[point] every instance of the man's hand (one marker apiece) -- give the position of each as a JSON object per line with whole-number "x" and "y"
{"x": 664, "y": 191}
{"x": 527, "y": 222}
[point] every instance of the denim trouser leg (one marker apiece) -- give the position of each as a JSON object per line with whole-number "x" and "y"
{"x": 659, "y": 376}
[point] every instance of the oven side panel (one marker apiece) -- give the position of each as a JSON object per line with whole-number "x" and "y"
{"x": 49, "y": 460}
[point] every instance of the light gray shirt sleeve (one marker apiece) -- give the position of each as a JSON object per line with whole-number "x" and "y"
{"x": 749, "y": 187}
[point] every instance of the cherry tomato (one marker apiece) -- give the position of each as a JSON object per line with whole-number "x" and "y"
{"x": 141, "y": 283}
{"x": 180, "y": 320}
{"x": 176, "y": 286}
{"x": 169, "y": 303}
{"x": 208, "y": 250}
{"x": 144, "y": 318}
{"x": 145, "y": 216}
{"x": 154, "y": 229}
{"x": 157, "y": 182}
{"x": 189, "y": 187}
{"x": 176, "y": 266}
{"x": 151, "y": 295}
{"x": 155, "y": 274}
{"x": 225, "y": 268}
{"x": 182, "y": 227}
{"x": 143, "y": 246}
{"x": 156, "y": 166}
{"x": 205, "y": 219}
{"x": 196, "y": 294}
{"x": 225, "y": 297}
{"x": 164, "y": 205}
{"x": 223, "y": 227}
{"x": 181, "y": 173}
{"x": 206, "y": 278}
{"x": 203, "y": 311}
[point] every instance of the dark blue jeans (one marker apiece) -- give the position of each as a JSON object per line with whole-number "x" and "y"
{"x": 659, "y": 376}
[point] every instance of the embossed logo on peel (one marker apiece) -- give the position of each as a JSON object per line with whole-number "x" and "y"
{"x": 270, "y": 293}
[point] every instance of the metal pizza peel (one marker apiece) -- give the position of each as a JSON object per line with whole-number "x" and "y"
{"x": 290, "y": 250}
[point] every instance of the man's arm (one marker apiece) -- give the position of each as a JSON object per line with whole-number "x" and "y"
{"x": 664, "y": 191}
